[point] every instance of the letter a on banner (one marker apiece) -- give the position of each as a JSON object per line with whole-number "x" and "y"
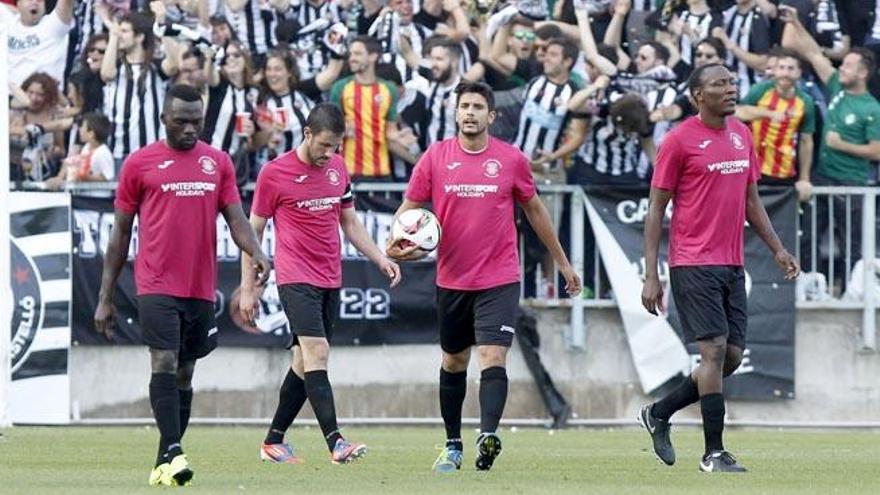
{"x": 657, "y": 352}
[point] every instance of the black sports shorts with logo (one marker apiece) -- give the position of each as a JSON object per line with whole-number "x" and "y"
{"x": 183, "y": 324}
{"x": 711, "y": 302}
{"x": 481, "y": 317}
{"x": 311, "y": 311}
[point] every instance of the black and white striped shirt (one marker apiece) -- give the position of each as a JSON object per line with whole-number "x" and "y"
{"x": 87, "y": 23}
{"x": 253, "y": 26}
{"x": 702, "y": 24}
{"x": 316, "y": 56}
{"x": 751, "y": 32}
{"x": 298, "y": 106}
{"x": 544, "y": 115}
{"x": 417, "y": 35}
{"x": 133, "y": 103}
{"x": 611, "y": 152}
{"x": 661, "y": 97}
{"x": 224, "y": 102}
{"x": 439, "y": 110}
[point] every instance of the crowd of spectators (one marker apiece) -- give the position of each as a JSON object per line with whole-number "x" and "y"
{"x": 586, "y": 88}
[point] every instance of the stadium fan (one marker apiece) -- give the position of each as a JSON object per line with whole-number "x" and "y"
{"x": 745, "y": 32}
{"x": 37, "y": 40}
{"x": 783, "y": 120}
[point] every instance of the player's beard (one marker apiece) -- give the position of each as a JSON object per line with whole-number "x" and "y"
{"x": 443, "y": 76}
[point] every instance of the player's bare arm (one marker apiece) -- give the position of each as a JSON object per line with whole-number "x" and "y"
{"x": 393, "y": 248}
{"x": 652, "y": 292}
{"x": 359, "y": 237}
{"x": 760, "y": 223}
{"x": 249, "y": 297}
{"x": 244, "y": 237}
{"x": 539, "y": 218}
{"x": 114, "y": 259}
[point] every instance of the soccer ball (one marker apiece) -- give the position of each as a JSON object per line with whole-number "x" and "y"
{"x": 417, "y": 227}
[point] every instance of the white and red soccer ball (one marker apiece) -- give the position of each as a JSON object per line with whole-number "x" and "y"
{"x": 417, "y": 227}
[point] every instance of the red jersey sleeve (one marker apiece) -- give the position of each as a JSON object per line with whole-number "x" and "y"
{"x": 523, "y": 182}
{"x": 265, "y": 194}
{"x": 128, "y": 193}
{"x": 419, "y": 187}
{"x": 228, "y": 188}
{"x": 667, "y": 170}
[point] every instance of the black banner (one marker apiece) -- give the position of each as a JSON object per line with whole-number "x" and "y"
{"x": 767, "y": 370}
{"x": 370, "y": 312}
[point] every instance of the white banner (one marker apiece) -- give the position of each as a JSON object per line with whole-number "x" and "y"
{"x": 40, "y": 242}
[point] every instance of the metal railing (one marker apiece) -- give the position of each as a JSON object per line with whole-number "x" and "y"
{"x": 837, "y": 242}
{"x": 826, "y": 246}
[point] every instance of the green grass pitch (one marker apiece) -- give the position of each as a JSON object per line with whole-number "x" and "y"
{"x": 90, "y": 460}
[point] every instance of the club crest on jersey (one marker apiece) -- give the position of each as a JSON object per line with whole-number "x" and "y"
{"x": 491, "y": 168}
{"x": 333, "y": 177}
{"x": 737, "y": 141}
{"x": 209, "y": 166}
{"x": 850, "y": 119}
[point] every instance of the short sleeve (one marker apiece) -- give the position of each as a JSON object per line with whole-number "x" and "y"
{"x": 808, "y": 125}
{"x": 667, "y": 169}
{"x": 524, "y": 183}
{"x": 392, "y": 109}
{"x": 265, "y": 194}
{"x": 102, "y": 163}
{"x": 420, "y": 184}
{"x": 229, "y": 194}
{"x": 129, "y": 191}
{"x": 336, "y": 93}
{"x": 55, "y": 25}
{"x": 755, "y": 93}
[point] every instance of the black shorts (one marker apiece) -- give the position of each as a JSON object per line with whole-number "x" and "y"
{"x": 711, "y": 302}
{"x": 311, "y": 311}
{"x": 179, "y": 324}
{"x": 482, "y": 317}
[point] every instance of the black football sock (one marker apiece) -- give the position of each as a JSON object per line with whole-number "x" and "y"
{"x": 453, "y": 387}
{"x": 680, "y": 397}
{"x": 290, "y": 401}
{"x": 186, "y": 399}
{"x": 712, "y": 406}
{"x": 493, "y": 395}
{"x": 321, "y": 397}
{"x": 165, "y": 401}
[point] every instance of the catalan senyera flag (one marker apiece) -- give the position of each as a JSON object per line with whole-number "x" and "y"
{"x": 776, "y": 141}
{"x": 367, "y": 109}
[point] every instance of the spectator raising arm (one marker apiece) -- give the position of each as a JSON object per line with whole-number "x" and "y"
{"x": 588, "y": 45}
{"x": 796, "y": 37}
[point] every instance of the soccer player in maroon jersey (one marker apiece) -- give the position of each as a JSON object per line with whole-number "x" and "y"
{"x": 473, "y": 181}
{"x": 176, "y": 187}
{"x": 307, "y": 192}
{"x": 707, "y": 167}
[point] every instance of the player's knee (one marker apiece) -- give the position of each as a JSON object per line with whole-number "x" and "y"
{"x": 732, "y": 360}
{"x": 456, "y": 363}
{"x": 185, "y": 372}
{"x": 713, "y": 352}
{"x": 492, "y": 355}
{"x": 163, "y": 361}
{"x": 316, "y": 353}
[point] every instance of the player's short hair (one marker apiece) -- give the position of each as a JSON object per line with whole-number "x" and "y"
{"x": 867, "y": 59}
{"x": 326, "y": 117}
{"x": 182, "y": 92}
{"x": 370, "y": 43}
{"x": 695, "y": 81}
{"x": 630, "y": 113}
{"x": 660, "y": 51}
{"x": 569, "y": 49}
{"x": 525, "y": 22}
{"x": 479, "y": 88}
{"x": 99, "y": 124}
